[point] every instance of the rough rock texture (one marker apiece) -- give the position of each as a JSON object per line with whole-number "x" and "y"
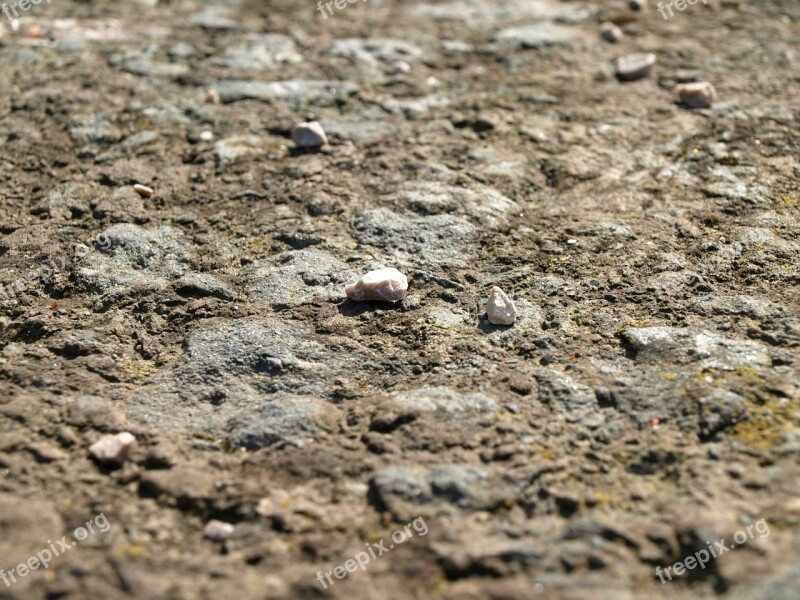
{"x": 646, "y": 399}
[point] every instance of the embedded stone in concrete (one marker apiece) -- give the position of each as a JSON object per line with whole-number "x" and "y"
{"x": 309, "y": 135}
{"x": 113, "y": 449}
{"x": 698, "y": 94}
{"x": 500, "y": 309}
{"x": 386, "y": 285}
{"x": 635, "y": 66}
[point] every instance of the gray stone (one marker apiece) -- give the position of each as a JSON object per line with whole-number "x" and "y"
{"x": 659, "y": 345}
{"x": 93, "y": 129}
{"x": 278, "y": 419}
{"x": 262, "y": 53}
{"x": 575, "y": 401}
{"x": 375, "y": 50}
{"x": 215, "y": 18}
{"x": 484, "y": 205}
{"x": 67, "y": 199}
{"x": 746, "y": 306}
{"x": 719, "y": 410}
{"x": 444, "y": 401}
{"x": 483, "y": 14}
{"x": 363, "y": 128}
{"x": 251, "y": 382}
{"x": 143, "y": 61}
{"x": 134, "y": 261}
{"x": 449, "y": 489}
{"x": 129, "y": 146}
{"x": 441, "y": 240}
{"x": 181, "y": 51}
{"x": 203, "y": 284}
{"x": 240, "y": 148}
{"x": 295, "y": 93}
{"x": 298, "y": 277}
{"x": 538, "y": 35}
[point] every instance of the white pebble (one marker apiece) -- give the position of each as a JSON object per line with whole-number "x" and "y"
{"x": 500, "y": 309}
{"x": 699, "y": 94}
{"x": 400, "y": 67}
{"x": 635, "y": 66}
{"x": 206, "y": 135}
{"x": 386, "y": 285}
{"x": 309, "y": 135}
{"x": 113, "y": 449}
{"x": 143, "y": 190}
{"x": 610, "y": 32}
{"x": 212, "y": 96}
{"x": 217, "y": 531}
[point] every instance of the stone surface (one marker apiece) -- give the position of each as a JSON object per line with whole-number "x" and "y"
{"x": 441, "y": 240}
{"x": 644, "y": 401}
{"x": 384, "y": 285}
{"x": 299, "y": 277}
{"x": 95, "y": 412}
{"x": 262, "y": 53}
{"x": 680, "y": 345}
{"x": 538, "y": 35}
{"x": 294, "y": 92}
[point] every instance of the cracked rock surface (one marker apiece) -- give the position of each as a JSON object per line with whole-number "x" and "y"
{"x": 645, "y": 400}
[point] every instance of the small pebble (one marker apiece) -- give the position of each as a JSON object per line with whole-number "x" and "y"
{"x": 385, "y": 285}
{"x": 610, "y": 32}
{"x": 635, "y": 66}
{"x": 212, "y": 96}
{"x": 500, "y": 309}
{"x": 309, "y": 135}
{"x": 143, "y": 190}
{"x": 400, "y": 67}
{"x": 700, "y": 94}
{"x": 113, "y": 449}
{"x": 637, "y": 4}
{"x": 217, "y": 531}
{"x": 206, "y": 136}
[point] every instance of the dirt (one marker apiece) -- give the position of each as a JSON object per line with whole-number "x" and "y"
{"x": 643, "y": 407}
